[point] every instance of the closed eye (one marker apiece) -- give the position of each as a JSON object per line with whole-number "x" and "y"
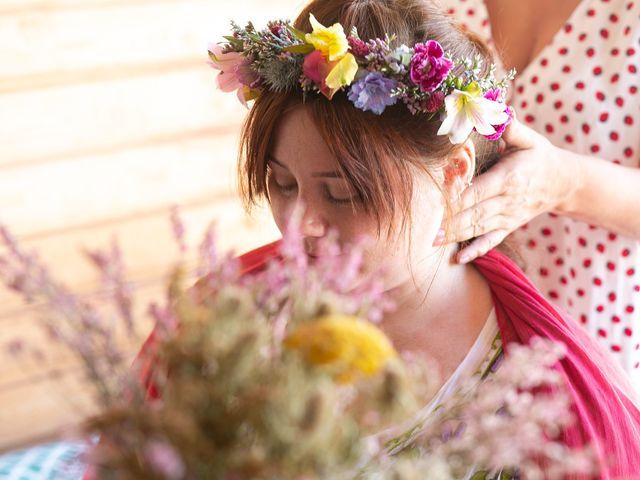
{"x": 348, "y": 199}
{"x": 285, "y": 188}
{"x": 281, "y": 187}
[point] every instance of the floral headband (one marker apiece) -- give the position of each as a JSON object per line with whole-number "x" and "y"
{"x": 375, "y": 76}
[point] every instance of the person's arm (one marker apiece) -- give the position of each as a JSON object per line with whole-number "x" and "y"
{"x": 607, "y": 194}
{"x": 534, "y": 177}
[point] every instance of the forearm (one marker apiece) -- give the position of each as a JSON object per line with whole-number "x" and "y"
{"x": 604, "y": 194}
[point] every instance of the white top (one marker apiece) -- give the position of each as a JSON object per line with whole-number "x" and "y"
{"x": 581, "y": 92}
{"x": 473, "y": 364}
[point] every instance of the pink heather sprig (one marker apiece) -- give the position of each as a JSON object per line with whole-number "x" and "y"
{"x": 164, "y": 459}
{"x": 112, "y": 269}
{"x": 178, "y": 229}
{"x": 511, "y": 421}
{"x": 69, "y": 319}
{"x": 334, "y": 280}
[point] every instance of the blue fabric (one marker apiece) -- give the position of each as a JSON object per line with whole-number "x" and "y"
{"x": 51, "y": 461}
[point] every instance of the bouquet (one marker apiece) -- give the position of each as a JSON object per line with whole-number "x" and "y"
{"x": 283, "y": 373}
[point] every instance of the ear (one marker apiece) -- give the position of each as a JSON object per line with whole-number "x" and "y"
{"x": 459, "y": 169}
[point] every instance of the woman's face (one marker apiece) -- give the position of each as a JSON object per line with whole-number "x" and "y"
{"x": 303, "y": 173}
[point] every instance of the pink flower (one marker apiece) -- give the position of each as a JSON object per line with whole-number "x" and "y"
{"x": 316, "y": 67}
{"x": 435, "y": 101}
{"x": 235, "y": 72}
{"x": 429, "y": 66}
{"x": 494, "y": 94}
{"x": 497, "y": 96}
{"x": 358, "y": 47}
{"x": 165, "y": 460}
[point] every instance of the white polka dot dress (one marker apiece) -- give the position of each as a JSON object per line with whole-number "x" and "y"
{"x": 581, "y": 92}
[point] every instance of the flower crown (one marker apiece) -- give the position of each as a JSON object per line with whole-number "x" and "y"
{"x": 374, "y": 74}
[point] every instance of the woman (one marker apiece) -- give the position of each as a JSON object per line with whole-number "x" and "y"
{"x": 578, "y": 192}
{"x": 361, "y": 162}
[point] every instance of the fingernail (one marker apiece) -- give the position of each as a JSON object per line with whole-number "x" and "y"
{"x": 464, "y": 258}
{"x": 439, "y": 238}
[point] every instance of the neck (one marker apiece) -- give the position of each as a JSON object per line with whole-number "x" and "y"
{"x": 440, "y": 309}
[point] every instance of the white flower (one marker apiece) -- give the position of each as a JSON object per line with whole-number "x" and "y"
{"x": 468, "y": 109}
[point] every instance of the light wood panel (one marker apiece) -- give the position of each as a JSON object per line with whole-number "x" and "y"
{"x": 147, "y": 244}
{"x": 94, "y": 38}
{"x": 102, "y": 41}
{"x": 109, "y": 115}
{"x": 22, "y": 378}
{"x": 225, "y": 8}
{"x": 77, "y": 191}
{"x": 95, "y": 118}
{"x": 43, "y": 410}
{"x": 42, "y": 355}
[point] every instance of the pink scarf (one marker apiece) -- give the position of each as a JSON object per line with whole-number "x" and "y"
{"x": 605, "y": 404}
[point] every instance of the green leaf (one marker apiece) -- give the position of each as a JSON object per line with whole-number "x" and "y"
{"x": 406, "y": 59}
{"x": 236, "y": 43}
{"x": 299, "y": 34}
{"x": 303, "y": 48}
{"x": 480, "y": 476}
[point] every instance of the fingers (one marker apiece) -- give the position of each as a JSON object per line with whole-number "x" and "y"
{"x": 518, "y": 135}
{"x": 478, "y": 220}
{"x": 488, "y": 185}
{"x": 481, "y": 245}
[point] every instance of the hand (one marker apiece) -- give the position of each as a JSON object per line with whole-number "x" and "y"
{"x": 531, "y": 178}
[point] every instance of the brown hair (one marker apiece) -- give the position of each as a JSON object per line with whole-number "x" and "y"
{"x": 374, "y": 152}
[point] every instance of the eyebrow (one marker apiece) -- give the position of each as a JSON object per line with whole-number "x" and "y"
{"x": 331, "y": 174}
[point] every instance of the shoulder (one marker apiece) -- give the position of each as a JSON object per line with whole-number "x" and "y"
{"x": 256, "y": 259}
{"x": 251, "y": 262}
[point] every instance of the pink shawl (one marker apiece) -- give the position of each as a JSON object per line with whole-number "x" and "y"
{"x": 605, "y": 404}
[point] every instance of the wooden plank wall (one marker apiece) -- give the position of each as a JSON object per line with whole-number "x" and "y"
{"x": 108, "y": 116}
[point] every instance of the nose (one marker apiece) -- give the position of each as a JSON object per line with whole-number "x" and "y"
{"x": 312, "y": 225}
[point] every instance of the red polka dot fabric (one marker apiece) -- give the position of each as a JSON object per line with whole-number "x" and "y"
{"x": 581, "y": 92}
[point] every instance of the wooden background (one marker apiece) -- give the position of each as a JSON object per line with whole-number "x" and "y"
{"x": 108, "y": 116}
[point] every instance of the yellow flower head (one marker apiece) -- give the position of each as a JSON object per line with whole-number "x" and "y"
{"x": 330, "y": 41}
{"x": 354, "y": 347}
{"x": 343, "y": 73}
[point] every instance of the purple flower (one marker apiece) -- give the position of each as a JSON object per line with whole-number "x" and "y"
{"x": 373, "y": 92}
{"x": 429, "y": 66}
{"x": 497, "y": 95}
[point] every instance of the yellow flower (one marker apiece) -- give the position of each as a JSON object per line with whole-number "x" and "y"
{"x": 354, "y": 347}
{"x": 343, "y": 73}
{"x": 331, "y": 41}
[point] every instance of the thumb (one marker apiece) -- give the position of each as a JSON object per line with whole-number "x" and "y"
{"x": 518, "y": 136}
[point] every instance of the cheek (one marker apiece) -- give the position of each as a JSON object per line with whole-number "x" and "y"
{"x": 280, "y": 210}
{"x": 353, "y": 227}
